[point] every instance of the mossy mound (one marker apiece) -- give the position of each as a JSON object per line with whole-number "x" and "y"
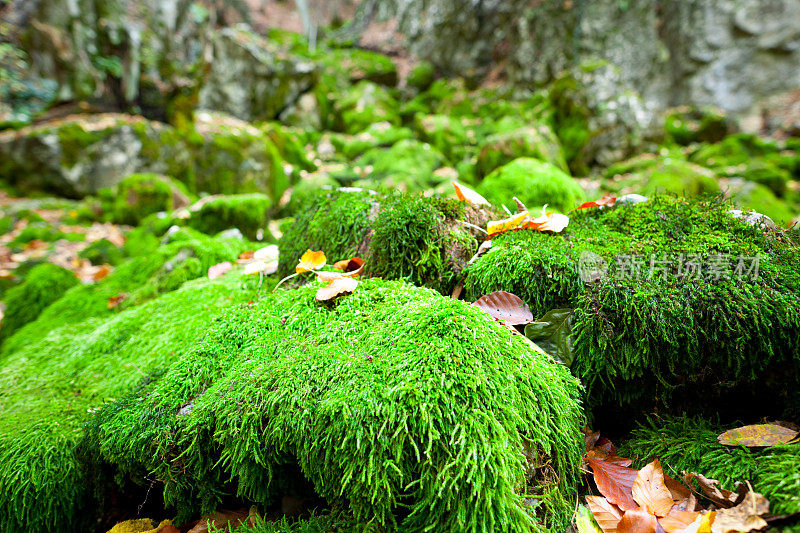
{"x": 685, "y": 125}
{"x": 752, "y": 196}
{"x": 408, "y": 166}
{"x": 363, "y": 104}
{"x": 42, "y": 286}
{"x": 690, "y": 444}
{"x": 247, "y": 212}
{"x": 418, "y": 239}
{"x": 214, "y": 396}
{"x": 421, "y": 76}
{"x": 669, "y": 172}
{"x": 672, "y": 332}
{"x": 538, "y": 142}
{"x": 379, "y": 134}
{"x": 445, "y": 133}
{"x": 534, "y": 182}
{"x": 140, "y": 195}
{"x": 42, "y": 231}
{"x": 102, "y": 252}
{"x": 359, "y": 394}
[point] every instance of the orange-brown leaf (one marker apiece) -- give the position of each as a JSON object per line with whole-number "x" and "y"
{"x": 607, "y": 201}
{"x": 721, "y": 497}
{"x": 606, "y": 513}
{"x": 466, "y": 194}
{"x": 650, "y": 492}
{"x": 614, "y": 481}
{"x": 493, "y": 227}
{"x": 247, "y": 255}
{"x": 310, "y": 261}
{"x": 744, "y": 517}
{"x": 757, "y": 435}
{"x": 351, "y": 267}
{"x": 114, "y": 301}
{"x": 637, "y": 521}
{"x": 505, "y": 306}
{"x": 678, "y": 521}
{"x": 101, "y": 273}
{"x": 336, "y": 287}
{"x": 678, "y": 490}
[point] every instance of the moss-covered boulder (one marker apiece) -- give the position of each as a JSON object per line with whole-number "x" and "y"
{"x": 242, "y": 397}
{"x": 408, "y": 165}
{"x": 686, "y": 125}
{"x": 140, "y": 195}
{"x": 537, "y": 142}
{"x": 668, "y": 172}
{"x": 534, "y": 182}
{"x": 363, "y": 104}
{"x": 445, "y": 133}
{"x": 359, "y": 64}
{"x": 751, "y": 196}
{"x": 247, "y": 212}
{"x": 673, "y": 300}
{"x": 418, "y": 239}
{"x": 102, "y": 252}
{"x": 421, "y": 76}
{"x": 379, "y": 134}
{"x": 42, "y": 286}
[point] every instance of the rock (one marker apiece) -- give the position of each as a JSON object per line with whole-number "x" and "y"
{"x": 538, "y": 142}
{"x": 140, "y": 195}
{"x": 250, "y": 77}
{"x": 631, "y": 199}
{"x": 753, "y": 218}
{"x": 534, "y": 182}
{"x": 363, "y": 104}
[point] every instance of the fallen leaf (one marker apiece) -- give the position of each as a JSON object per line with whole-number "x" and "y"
{"x": 757, "y": 435}
{"x": 584, "y": 522}
{"x": 553, "y": 333}
{"x": 219, "y": 269}
{"x": 678, "y": 521}
{"x": 744, "y": 517}
{"x": 678, "y": 490}
{"x": 466, "y": 194}
{"x": 101, "y": 273}
{"x": 310, "y": 261}
{"x": 637, "y": 521}
{"x": 650, "y": 492}
{"x": 606, "y": 513}
{"x": 351, "y": 267}
{"x": 605, "y": 201}
{"x": 482, "y": 249}
{"x": 114, "y": 301}
{"x": 336, "y": 287}
{"x": 520, "y": 206}
{"x": 494, "y": 227}
{"x": 268, "y": 254}
{"x": 554, "y": 222}
{"x": 719, "y": 496}
{"x": 247, "y": 255}
{"x": 506, "y": 307}
{"x": 614, "y": 481}
{"x": 260, "y": 267}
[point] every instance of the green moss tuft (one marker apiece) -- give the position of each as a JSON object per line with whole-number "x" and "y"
{"x": 102, "y": 252}
{"x": 43, "y": 285}
{"x": 363, "y": 104}
{"x": 140, "y": 195}
{"x": 534, "y": 182}
{"x": 407, "y": 166}
{"x": 247, "y": 212}
{"x": 537, "y": 142}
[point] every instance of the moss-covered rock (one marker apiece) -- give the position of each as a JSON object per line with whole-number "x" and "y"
{"x": 699, "y": 323}
{"x": 247, "y": 212}
{"x": 534, "y": 182}
{"x": 537, "y": 142}
{"x": 363, "y": 104}
{"x": 355, "y": 394}
{"x": 379, "y": 134}
{"x": 359, "y": 64}
{"x": 667, "y": 172}
{"x": 421, "y": 76}
{"x": 42, "y": 286}
{"x": 751, "y": 196}
{"x": 685, "y": 125}
{"x": 445, "y": 133}
{"x": 418, "y": 239}
{"x": 140, "y": 195}
{"x": 408, "y": 165}
{"x": 690, "y": 444}
{"x": 102, "y": 252}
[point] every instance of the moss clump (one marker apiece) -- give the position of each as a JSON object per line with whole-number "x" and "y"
{"x": 363, "y": 104}
{"x": 690, "y": 444}
{"x": 407, "y": 166}
{"x": 534, "y": 182}
{"x": 360, "y": 395}
{"x": 361, "y": 64}
{"x": 379, "y": 134}
{"x": 140, "y": 195}
{"x": 247, "y": 212}
{"x": 752, "y": 196}
{"x": 537, "y": 142}
{"x": 668, "y": 333}
{"x": 445, "y": 133}
{"x": 418, "y": 239}
{"x": 421, "y": 76}
{"x": 102, "y": 252}
{"x": 43, "y": 285}
{"x": 685, "y": 125}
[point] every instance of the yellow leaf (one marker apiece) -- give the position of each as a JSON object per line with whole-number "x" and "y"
{"x": 466, "y": 194}
{"x": 493, "y": 227}
{"x": 311, "y": 261}
{"x": 757, "y": 435}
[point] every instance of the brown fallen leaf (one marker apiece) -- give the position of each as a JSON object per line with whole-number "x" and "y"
{"x": 720, "y": 497}
{"x": 680, "y": 492}
{"x": 336, "y": 287}
{"x": 614, "y": 481}
{"x": 650, "y": 492}
{"x": 744, "y": 517}
{"x": 605, "y": 201}
{"x": 505, "y": 306}
{"x": 466, "y": 194}
{"x": 310, "y": 261}
{"x": 114, "y": 301}
{"x": 351, "y": 267}
{"x": 757, "y": 435}
{"x": 247, "y": 255}
{"x": 605, "y": 513}
{"x": 637, "y": 521}
{"x": 101, "y": 273}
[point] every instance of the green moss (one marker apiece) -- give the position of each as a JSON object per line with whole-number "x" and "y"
{"x": 380, "y": 134}
{"x": 421, "y": 76}
{"x": 407, "y": 166}
{"x": 42, "y": 286}
{"x": 140, "y": 195}
{"x": 690, "y": 444}
{"x": 666, "y": 336}
{"x": 537, "y": 142}
{"x": 752, "y": 196}
{"x": 534, "y": 182}
{"x": 37, "y": 231}
{"x": 685, "y": 125}
{"x": 102, "y": 252}
{"x": 247, "y": 212}
{"x": 74, "y": 140}
{"x": 363, "y": 104}
{"x": 668, "y": 171}
{"x": 6, "y": 224}
{"x": 445, "y": 133}
{"x": 358, "y": 394}
{"x": 359, "y": 64}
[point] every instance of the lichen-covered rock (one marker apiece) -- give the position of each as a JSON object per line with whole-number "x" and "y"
{"x": 534, "y": 182}
{"x": 538, "y": 142}
{"x": 43, "y": 285}
{"x": 671, "y": 299}
{"x": 140, "y": 195}
{"x": 285, "y": 382}
{"x": 363, "y": 104}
